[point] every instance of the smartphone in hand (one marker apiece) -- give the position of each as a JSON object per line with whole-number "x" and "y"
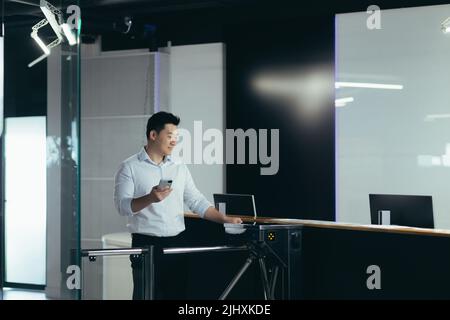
{"x": 164, "y": 184}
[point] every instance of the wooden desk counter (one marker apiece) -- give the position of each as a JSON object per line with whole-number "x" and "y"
{"x": 333, "y": 259}
{"x": 342, "y": 226}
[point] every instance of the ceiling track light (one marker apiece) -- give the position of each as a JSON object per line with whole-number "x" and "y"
{"x": 51, "y": 13}
{"x": 34, "y": 35}
{"x": 69, "y": 34}
{"x": 53, "y": 16}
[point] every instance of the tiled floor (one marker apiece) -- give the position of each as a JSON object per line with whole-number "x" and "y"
{"x": 21, "y": 294}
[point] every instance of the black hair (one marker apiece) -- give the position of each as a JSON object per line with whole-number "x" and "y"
{"x": 159, "y": 120}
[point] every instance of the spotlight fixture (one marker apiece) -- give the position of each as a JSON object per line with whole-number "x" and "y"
{"x": 69, "y": 34}
{"x": 45, "y": 48}
{"x": 53, "y": 16}
{"x": 41, "y": 44}
{"x": 51, "y": 13}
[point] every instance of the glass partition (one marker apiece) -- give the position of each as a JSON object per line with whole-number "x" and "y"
{"x": 392, "y": 111}
{"x": 64, "y": 88}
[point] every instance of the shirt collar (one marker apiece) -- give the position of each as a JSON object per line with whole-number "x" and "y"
{"x": 143, "y": 156}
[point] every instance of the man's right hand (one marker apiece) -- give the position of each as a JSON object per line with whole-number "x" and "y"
{"x": 157, "y": 195}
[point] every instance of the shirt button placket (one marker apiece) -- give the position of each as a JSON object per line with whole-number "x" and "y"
{"x": 161, "y": 177}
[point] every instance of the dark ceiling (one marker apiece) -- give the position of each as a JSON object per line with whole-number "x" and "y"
{"x": 148, "y": 8}
{"x": 17, "y": 7}
{"x": 109, "y": 8}
{"x": 100, "y": 15}
{"x": 173, "y": 17}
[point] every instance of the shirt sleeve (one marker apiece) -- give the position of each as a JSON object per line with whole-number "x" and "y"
{"x": 193, "y": 198}
{"x": 123, "y": 190}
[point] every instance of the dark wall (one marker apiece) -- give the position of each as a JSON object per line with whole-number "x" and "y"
{"x": 25, "y": 88}
{"x": 281, "y": 41}
{"x": 299, "y": 50}
{"x": 411, "y": 266}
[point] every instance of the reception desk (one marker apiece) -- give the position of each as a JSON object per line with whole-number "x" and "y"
{"x": 336, "y": 261}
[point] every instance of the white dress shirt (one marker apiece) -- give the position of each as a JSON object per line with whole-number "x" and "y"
{"x": 137, "y": 176}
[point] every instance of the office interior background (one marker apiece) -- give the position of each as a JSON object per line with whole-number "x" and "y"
{"x": 361, "y": 109}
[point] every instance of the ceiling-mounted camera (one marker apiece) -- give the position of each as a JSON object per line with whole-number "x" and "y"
{"x": 128, "y": 22}
{"x": 126, "y": 27}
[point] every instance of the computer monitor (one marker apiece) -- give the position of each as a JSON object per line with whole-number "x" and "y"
{"x": 238, "y": 204}
{"x": 402, "y": 210}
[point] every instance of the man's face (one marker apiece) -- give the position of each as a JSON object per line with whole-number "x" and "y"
{"x": 167, "y": 138}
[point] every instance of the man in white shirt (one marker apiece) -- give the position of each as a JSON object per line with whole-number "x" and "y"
{"x": 156, "y": 216}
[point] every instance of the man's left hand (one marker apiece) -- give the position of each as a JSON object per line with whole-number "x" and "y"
{"x": 234, "y": 220}
{"x": 213, "y": 214}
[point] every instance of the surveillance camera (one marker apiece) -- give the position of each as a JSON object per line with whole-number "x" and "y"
{"x": 125, "y": 27}
{"x": 128, "y": 21}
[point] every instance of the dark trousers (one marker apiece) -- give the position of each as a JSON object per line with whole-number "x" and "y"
{"x": 170, "y": 270}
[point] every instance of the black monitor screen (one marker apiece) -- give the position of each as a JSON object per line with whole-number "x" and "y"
{"x": 238, "y": 204}
{"x": 405, "y": 210}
